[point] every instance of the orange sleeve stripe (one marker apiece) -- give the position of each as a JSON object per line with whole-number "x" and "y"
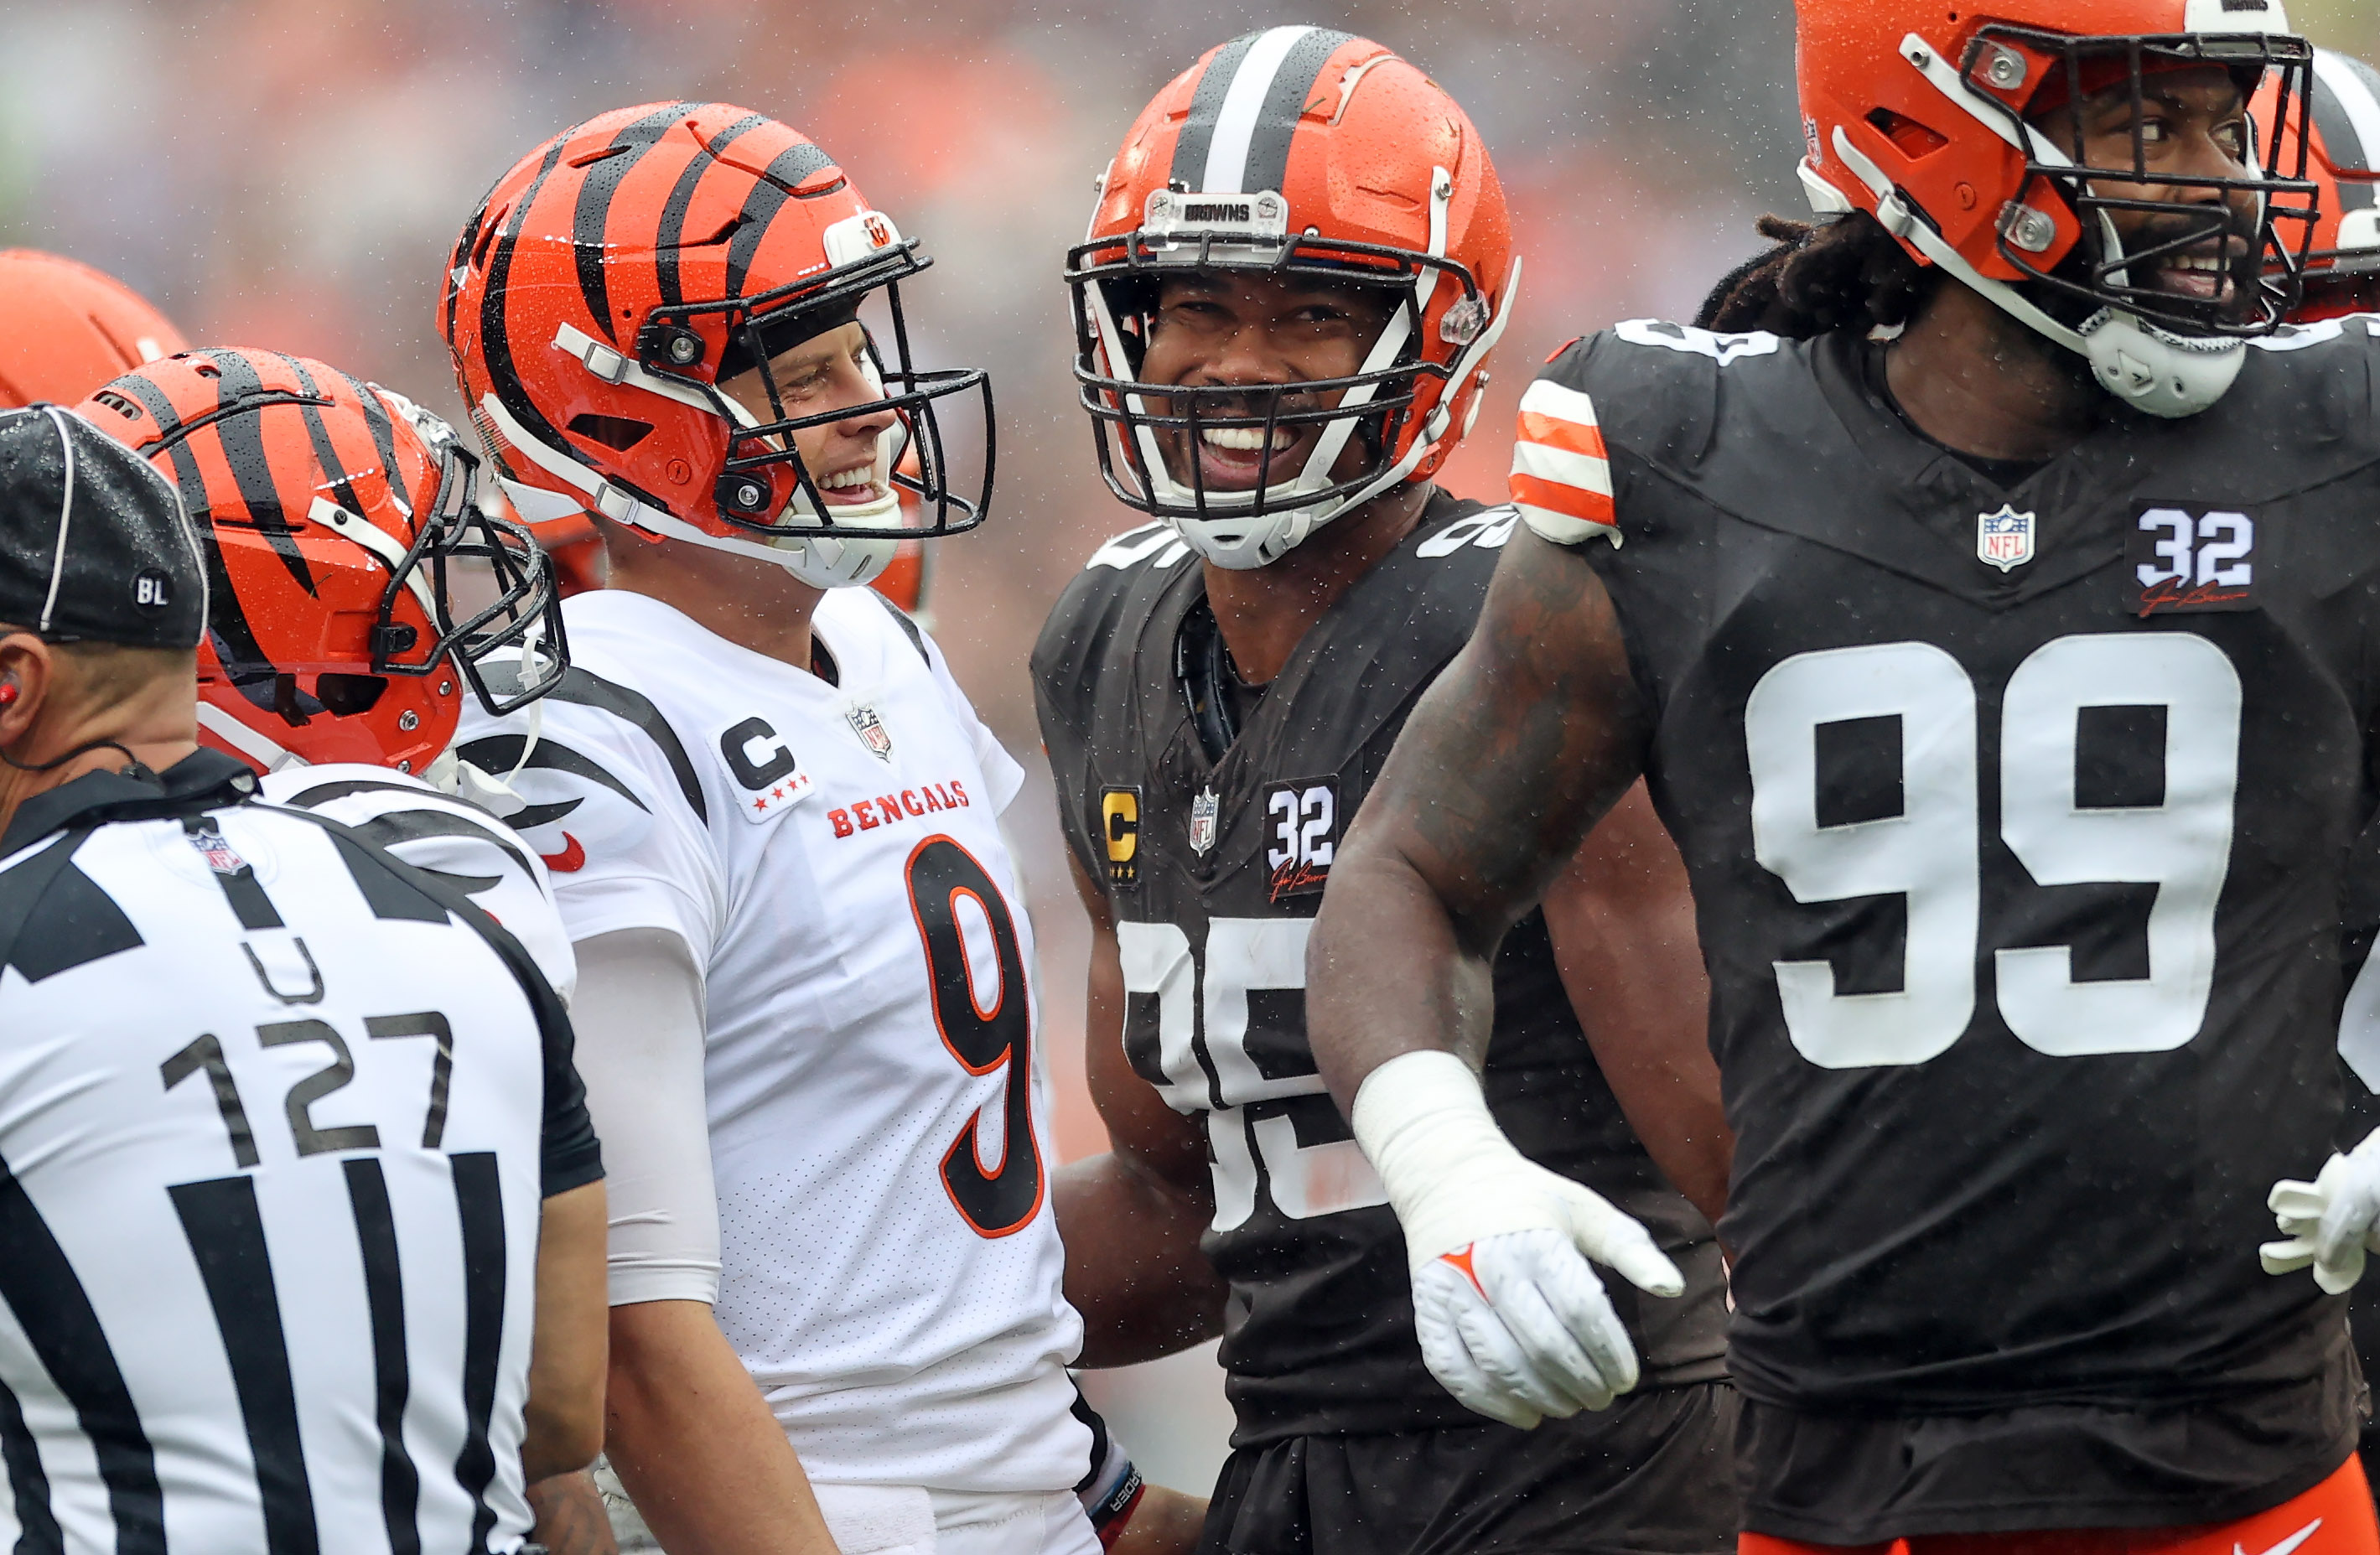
{"x": 1556, "y": 496}
{"x": 1556, "y": 432}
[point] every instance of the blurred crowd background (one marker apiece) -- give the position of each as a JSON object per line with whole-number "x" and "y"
{"x": 290, "y": 173}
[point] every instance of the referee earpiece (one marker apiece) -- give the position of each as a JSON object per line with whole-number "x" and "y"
{"x": 7, "y": 692}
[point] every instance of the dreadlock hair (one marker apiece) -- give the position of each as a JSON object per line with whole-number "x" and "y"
{"x": 1846, "y": 275}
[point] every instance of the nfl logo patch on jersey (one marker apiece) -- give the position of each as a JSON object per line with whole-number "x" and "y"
{"x": 871, "y": 732}
{"x": 221, "y": 856}
{"x": 1205, "y": 809}
{"x": 2004, "y": 539}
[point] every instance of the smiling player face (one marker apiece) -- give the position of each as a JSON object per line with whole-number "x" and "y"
{"x": 1218, "y": 329}
{"x": 825, "y": 373}
{"x": 2191, "y": 124}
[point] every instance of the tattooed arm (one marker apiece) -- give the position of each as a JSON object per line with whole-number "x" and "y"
{"x": 1533, "y": 732}
{"x": 1530, "y": 736}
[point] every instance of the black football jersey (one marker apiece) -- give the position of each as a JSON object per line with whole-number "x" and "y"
{"x": 2017, "y": 821}
{"x": 1213, "y": 870}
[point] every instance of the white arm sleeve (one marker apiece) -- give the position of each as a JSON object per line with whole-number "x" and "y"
{"x": 639, "y": 1019}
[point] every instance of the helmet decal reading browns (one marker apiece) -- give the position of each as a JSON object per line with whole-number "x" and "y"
{"x": 338, "y": 521}
{"x": 1320, "y": 157}
{"x": 618, "y": 278}
{"x": 2342, "y": 269}
{"x": 1960, "y": 132}
{"x": 66, "y": 329}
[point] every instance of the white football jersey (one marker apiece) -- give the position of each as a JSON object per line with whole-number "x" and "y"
{"x": 879, "y": 1120}
{"x": 459, "y": 843}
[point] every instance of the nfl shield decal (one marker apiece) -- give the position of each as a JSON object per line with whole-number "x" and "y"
{"x": 1204, "y": 811}
{"x": 2004, "y": 539}
{"x": 221, "y": 856}
{"x": 871, "y": 732}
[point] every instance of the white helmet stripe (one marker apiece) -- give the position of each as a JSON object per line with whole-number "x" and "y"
{"x": 1235, "y": 125}
{"x": 2351, "y": 135}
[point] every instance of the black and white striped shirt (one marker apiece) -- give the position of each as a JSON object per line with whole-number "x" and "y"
{"x": 276, "y": 1114}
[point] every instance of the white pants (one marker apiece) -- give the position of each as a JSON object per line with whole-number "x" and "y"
{"x": 901, "y": 1520}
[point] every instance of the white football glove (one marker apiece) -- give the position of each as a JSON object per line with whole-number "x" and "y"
{"x": 2329, "y": 1222}
{"x": 1512, "y": 1318}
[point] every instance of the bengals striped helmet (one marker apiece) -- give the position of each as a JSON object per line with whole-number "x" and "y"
{"x": 338, "y": 521}
{"x": 621, "y": 276}
{"x": 2342, "y": 271}
{"x": 66, "y": 329}
{"x": 1304, "y": 152}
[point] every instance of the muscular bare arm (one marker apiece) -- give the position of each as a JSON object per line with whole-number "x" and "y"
{"x": 1622, "y": 923}
{"x": 1131, "y": 1218}
{"x": 1530, "y": 736}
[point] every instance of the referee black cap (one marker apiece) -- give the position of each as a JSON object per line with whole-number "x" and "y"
{"x": 94, "y": 546}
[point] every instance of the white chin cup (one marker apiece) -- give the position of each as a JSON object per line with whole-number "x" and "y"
{"x": 2156, "y": 371}
{"x": 1244, "y": 543}
{"x": 826, "y": 562}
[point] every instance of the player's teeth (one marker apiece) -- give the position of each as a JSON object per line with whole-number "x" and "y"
{"x": 846, "y": 478}
{"x": 1247, "y": 440}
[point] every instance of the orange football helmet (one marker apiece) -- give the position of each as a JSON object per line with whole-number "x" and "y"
{"x": 66, "y": 329}
{"x": 2342, "y": 271}
{"x": 336, "y": 517}
{"x": 620, "y": 273}
{"x": 1925, "y": 117}
{"x": 1302, "y": 151}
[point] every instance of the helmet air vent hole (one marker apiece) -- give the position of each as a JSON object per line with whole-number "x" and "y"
{"x": 615, "y": 433}
{"x": 1915, "y": 140}
{"x": 347, "y": 695}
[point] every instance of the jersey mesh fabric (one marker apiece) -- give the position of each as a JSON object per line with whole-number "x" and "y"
{"x": 801, "y": 837}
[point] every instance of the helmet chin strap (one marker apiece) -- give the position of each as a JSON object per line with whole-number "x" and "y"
{"x": 821, "y": 561}
{"x": 265, "y": 752}
{"x": 2153, "y": 370}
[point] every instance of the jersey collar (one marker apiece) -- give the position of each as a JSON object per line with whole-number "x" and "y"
{"x": 203, "y": 780}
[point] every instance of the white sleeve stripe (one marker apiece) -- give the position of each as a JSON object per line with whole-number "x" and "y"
{"x": 1548, "y": 398}
{"x": 1563, "y": 529}
{"x": 1584, "y": 471}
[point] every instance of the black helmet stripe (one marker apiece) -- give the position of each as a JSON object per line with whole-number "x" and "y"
{"x": 326, "y": 453}
{"x": 456, "y": 267}
{"x": 241, "y": 433}
{"x": 1267, "y": 160}
{"x": 383, "y": 431}
{"x": 236, "y": 642}
{"x": 681, "y": 196}
{"x": 590, "y": 221}
{"x": 171, "y": 438}
{"x": 494, "y": 343}
{"x": 760, "y": 207}
{"x": 1189, "y": 170}
{"x": 1241, "y": 141}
